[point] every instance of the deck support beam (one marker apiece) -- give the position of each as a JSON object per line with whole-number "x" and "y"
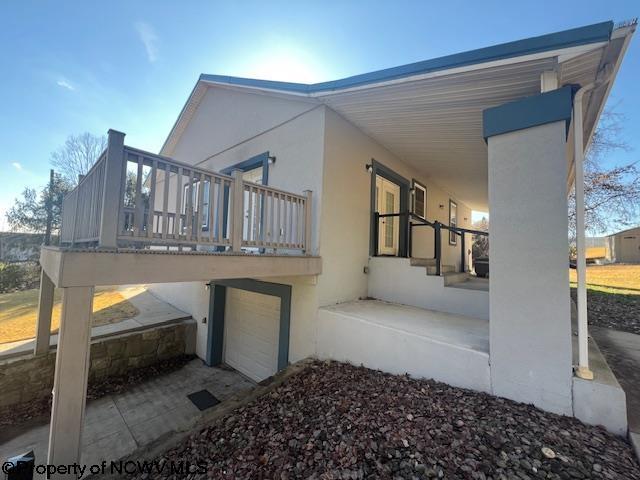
{"x": 45, "y": 310}
{"x": 70, "y": 380}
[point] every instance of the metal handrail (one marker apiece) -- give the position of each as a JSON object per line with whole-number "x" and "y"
{"x": 437, "y": 227}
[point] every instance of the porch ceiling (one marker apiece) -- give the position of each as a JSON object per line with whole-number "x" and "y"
{"x": 435, "y": 124}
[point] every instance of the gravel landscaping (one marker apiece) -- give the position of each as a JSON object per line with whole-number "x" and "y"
{"x": 334, "y": 420}
{"x": 613, "y": 310}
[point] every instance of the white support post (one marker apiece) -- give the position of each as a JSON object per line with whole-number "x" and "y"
{"x": 530, "y": 327}
{"x": 308, "y": 209}
{"x": 237, "y": 211}
{"x": 45, "y": 308}
{"x": 70, "y": 380}
{"x": 583, "y": 370}
{"x": 113, "y": 181}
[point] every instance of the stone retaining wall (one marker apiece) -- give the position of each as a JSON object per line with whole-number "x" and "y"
{"x": 30, "y": 377}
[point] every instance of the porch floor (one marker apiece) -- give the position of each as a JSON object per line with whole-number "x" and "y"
{"x": 464, "y": 332}
{"x": 402, "y": 339}
{"x": 118, "y": 424}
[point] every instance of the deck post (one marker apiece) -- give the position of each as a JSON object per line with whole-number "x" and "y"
{"x": 113, "y": 173}
{"x": 45, "y": 308}
{"x": 70, "y": 379}
{"x": 308, "y": 209}
{"x": 237, "y": 211}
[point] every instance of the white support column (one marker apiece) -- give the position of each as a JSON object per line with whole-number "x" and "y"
{"x": 530, "y": 324}
{"x": 45, "y": 309}
{"x": 113, "y": 182}
{"x": 583, "y": 370}
{"x": 70, "y": 381}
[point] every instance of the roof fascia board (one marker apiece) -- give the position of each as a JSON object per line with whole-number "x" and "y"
{"x": 470, "y": 68}
{"x": 626, "y": 32}
{"x": 548, "y": 107}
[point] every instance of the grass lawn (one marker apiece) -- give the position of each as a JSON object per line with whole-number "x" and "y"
{"x": 613, "y": 296}
{"x": 18, "y": 312}
{"x": 611, "y": 278}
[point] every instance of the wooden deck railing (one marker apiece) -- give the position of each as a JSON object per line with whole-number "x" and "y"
{"x": 135, "y": 198}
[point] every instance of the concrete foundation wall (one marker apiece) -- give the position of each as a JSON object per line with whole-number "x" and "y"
{"x": 529, "y": 297}
{"x": 27, "y": 378}
{"x": 395, "y": 280}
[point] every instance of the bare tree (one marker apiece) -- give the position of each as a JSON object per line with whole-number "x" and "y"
{"x": 612, "y": 194}
{"x": 77, "y": 155}
{"x": 480, "y": 247}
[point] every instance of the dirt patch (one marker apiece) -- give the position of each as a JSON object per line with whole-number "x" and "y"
{"x": 39, "y": 411}
{"x": 613, "y": 310}
{"x": 335, "y": 421}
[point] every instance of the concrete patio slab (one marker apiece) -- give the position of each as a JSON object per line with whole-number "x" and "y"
{"x": 116, "y": 425}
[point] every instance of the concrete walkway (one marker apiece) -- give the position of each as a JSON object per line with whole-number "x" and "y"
{"x": 622, "y": 351}
{"x": 153, "y": 311}
{"x": 116, "y": 425}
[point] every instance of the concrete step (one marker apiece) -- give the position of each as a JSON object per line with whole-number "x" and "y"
{"x": 431, "y": 269}
{"x": 422, "y": 262}
{"x": 451, "y": 278}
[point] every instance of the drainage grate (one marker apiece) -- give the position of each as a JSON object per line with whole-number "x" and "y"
{"x": 203, "y": 399}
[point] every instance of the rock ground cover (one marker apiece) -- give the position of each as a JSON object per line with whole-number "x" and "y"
{"x": 613, "y": 310}
{"x": 335, "y": 420}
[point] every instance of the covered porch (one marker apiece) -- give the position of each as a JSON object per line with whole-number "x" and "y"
{"x": 498, "y": 130}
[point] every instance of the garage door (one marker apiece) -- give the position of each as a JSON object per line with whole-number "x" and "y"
{"x": 251, "y": 328}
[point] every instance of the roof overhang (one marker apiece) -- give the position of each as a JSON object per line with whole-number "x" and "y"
{"x": 429, "y": 113}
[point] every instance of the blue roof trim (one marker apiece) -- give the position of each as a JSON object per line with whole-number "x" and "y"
{"x": 599, "y": 32}
{"x": 548, "y": 107}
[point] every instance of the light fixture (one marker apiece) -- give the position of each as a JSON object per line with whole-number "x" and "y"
{"x": 441, "y": 206}
{"x": 271, "y": 160}
{"x": 369, "y": 167}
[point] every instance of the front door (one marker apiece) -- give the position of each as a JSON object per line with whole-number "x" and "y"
{"x": 388, "y": 201}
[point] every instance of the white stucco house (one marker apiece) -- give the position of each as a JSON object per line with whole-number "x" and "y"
{"x": 333, "y": 220}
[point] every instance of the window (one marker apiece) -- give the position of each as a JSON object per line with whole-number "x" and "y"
{"x": 453, "y": 222}
{"x": 419, "y": 205}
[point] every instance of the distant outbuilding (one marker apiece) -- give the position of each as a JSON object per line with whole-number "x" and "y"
{"x": 624, "y": 246}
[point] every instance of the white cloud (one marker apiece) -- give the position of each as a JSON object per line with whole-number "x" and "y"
{"x": 17, "y": 166}
{"x": 149, "y": 39}
{"x": 65, "y": 84}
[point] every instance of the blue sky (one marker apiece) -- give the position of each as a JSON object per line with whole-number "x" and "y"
{"x": 74, "y": 66}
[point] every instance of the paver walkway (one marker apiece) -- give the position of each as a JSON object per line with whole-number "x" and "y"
{"x": 116, "y": 425}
